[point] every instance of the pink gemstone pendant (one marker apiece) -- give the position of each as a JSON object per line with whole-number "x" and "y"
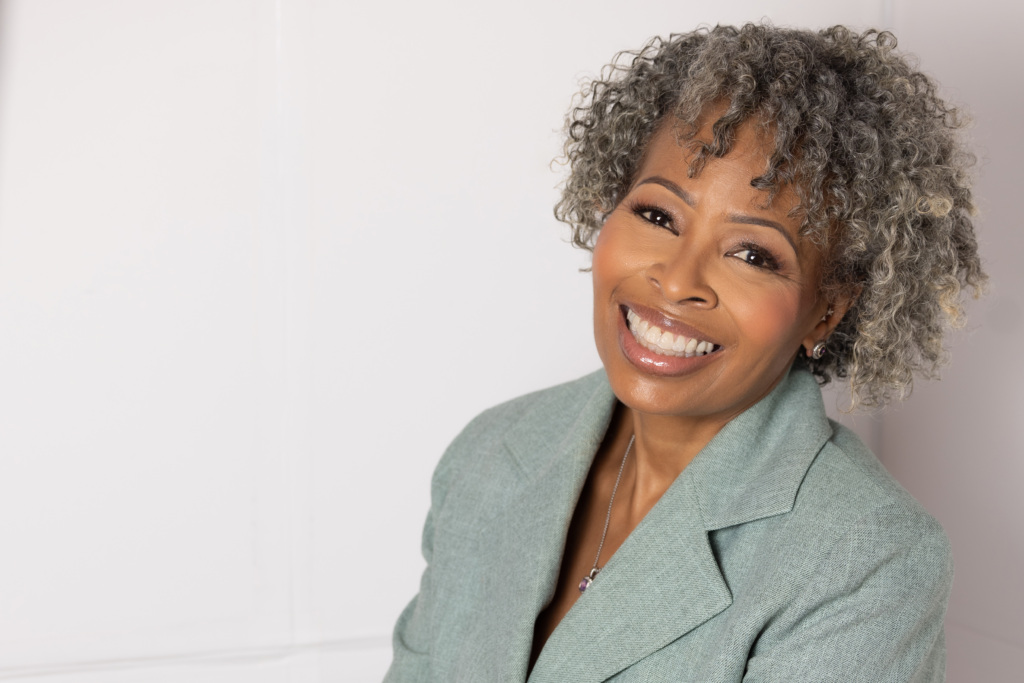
{"x": 587, "y": 580}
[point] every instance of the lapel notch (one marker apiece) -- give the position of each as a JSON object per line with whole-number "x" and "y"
{"x": 754, "y": 467}
{"x": 662, "y": 583}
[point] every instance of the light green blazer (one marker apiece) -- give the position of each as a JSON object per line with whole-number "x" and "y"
{"x": 783, "y": 553}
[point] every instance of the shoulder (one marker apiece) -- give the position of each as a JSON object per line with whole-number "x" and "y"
{"x": 481, "y": 445}
{"x": 848, "y": 515}
{"x": 847, "y": 484}
{"x": 873, "y": 553}
{"x": 886, "y": 514}
{"x": 559, "y": 403}
{"x": 848, "y": 497}
{"x": 861, "y": 573}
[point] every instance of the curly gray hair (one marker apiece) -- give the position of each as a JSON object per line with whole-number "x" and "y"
{"x": 863, "y": 138}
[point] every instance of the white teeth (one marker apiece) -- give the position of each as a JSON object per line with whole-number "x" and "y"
{"x": 664, "y": 342}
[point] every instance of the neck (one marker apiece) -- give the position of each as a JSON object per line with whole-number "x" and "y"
{"x": 664, "y": 447}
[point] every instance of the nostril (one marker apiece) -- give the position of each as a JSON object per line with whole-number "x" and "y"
{"x": 684, "y": 287}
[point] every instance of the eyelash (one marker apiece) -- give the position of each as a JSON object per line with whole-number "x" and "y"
{"x": 770, "y": 262}
{"x": 641, "y": 209}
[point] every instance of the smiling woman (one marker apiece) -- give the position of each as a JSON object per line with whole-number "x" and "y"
{"x": 764, "y": 206}
{"x": 705, "y": 259}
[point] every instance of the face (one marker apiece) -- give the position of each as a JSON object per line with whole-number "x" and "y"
{"x": 703, "y": 295}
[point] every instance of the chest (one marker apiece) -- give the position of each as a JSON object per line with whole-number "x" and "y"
{"x": 606, "y": 514}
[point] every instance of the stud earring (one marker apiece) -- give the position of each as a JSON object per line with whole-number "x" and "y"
{"x": 818, "y": 352}
{"x": 827, "y": 315}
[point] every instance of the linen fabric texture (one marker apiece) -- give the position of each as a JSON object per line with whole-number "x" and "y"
{"x": 784, "y": 552}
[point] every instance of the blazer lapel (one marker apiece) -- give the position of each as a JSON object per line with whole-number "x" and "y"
{"x": 528, "y": 538}
{"x": 661, "y": 583}
{"x": 754, "y": 467}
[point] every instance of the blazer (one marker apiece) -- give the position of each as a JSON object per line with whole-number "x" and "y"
{"x": 784, "y": 552}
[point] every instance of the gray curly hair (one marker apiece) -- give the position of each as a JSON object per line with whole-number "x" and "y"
{"x": 871, "y": 150}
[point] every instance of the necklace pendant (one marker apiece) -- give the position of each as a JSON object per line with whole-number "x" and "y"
{"x": 587, "y": 580}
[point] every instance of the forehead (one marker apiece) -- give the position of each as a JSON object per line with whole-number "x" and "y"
{"x": 670, "y": 154}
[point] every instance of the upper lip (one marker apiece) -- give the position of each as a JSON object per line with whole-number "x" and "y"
{"x": 661, "y": 320}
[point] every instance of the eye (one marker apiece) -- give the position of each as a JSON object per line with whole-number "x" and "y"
{"x": 755, "y": 256}
{"x": 655, "y": 216}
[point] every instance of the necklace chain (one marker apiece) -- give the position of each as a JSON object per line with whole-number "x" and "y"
{"x": 589, "y": 579}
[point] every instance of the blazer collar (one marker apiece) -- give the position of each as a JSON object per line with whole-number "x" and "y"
{"x": 565, "y": 425}
{"x": 754, "y": 466}
{"x": 663, "y": 581}
{"x": 751, "y": 469}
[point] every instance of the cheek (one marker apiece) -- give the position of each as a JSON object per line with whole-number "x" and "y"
{"x": 769, "y": 318}
{"x": 606, "y": 265}
{"x": 610, "y": 271}
{"x": 618, "y": 253}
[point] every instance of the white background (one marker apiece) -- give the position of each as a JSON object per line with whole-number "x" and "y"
{"x": 260, "y": 261}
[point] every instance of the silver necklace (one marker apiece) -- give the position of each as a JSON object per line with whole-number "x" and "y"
{"x": 589, "y": 579}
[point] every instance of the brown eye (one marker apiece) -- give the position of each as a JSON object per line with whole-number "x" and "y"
{"x": 756, "y": 256}
{"x": 656, "y": 217}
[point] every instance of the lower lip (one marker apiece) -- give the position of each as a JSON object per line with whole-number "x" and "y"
{"x": 655, "y": 363}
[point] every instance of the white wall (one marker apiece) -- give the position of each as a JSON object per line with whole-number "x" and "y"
{"x": 957, "y": 445}
{"x": 260, "y": 261}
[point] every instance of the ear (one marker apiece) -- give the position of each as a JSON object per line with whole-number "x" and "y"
{"x": 831, "y": 315}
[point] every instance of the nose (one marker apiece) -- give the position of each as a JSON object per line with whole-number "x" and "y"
{"x": 681, "y": 275}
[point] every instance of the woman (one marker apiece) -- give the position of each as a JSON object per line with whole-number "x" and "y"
{"x": 765, "y": 207}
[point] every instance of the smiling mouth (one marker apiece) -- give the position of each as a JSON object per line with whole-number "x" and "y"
{"x": 665, "y": 343}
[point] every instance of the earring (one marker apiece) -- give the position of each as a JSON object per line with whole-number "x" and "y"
{"x": 818, "y": 352}
{"x": 827, "y": 315}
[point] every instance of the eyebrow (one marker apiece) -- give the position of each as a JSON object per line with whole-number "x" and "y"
{"x": 671, "y": 187}
{"x": 739, "y": 218}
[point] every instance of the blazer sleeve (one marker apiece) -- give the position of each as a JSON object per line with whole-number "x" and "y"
{"x": 872, "y": 611}
{"x": 413, "y": 637}
{"x": 411, "y": 657}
